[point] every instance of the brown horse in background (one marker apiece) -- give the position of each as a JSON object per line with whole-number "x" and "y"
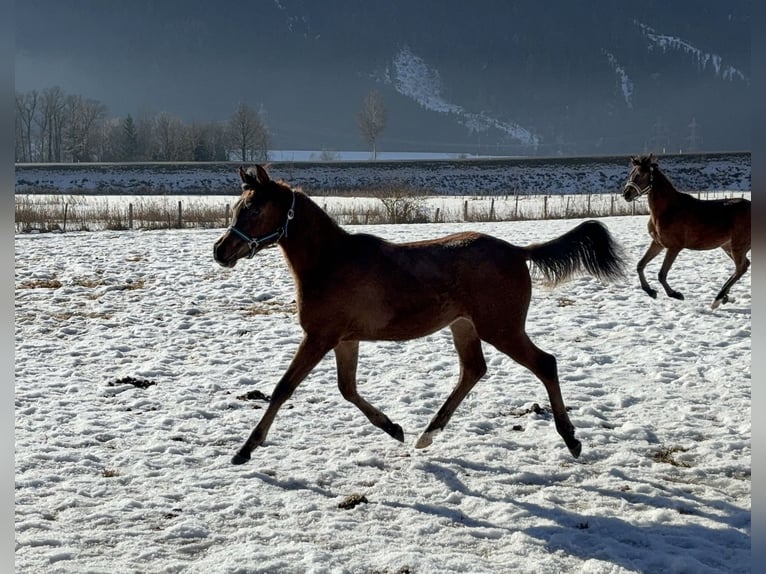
{"x": 358, "y": 287}
{"x": 680, "y": 221}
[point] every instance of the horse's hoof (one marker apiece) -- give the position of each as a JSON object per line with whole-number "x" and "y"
{"x": 426, "y": 439}
{"x": 575, "y": 448}
{"x": 396, "y": 432}
{"x": 676, "y": 295}
{"x": 651, "y": 292}
{"x": 240, "y": 458}
{"x": 715, "y": 304}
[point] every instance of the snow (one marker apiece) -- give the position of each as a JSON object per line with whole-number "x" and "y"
{"x": 707, "y": 172}
{"x": 626, "y": 85}
{"x": 412, "y": 77}
{"x": 111, "y": 477}
{"x": 667, "y": 43}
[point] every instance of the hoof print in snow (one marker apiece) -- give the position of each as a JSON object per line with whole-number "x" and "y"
{"x": 139, "y": 383}
{"x": 254, "y": 395}
{"x": 351, "y": 501}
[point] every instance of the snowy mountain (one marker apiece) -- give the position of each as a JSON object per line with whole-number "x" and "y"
{"x": 488, "y": 77}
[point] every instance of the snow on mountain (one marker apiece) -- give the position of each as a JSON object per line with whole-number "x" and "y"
{"x": 412, "y": 77}
{"x": 626, "y": 85}
{"x": 670, "y": 43}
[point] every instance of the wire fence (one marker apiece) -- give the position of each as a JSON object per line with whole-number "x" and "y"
{"x": 61, "y": 213}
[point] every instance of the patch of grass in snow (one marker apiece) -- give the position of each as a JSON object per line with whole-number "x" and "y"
{"x": 41, "y": 284}
{"x": 665, "y": 455}
{"x": 271, "y": 307}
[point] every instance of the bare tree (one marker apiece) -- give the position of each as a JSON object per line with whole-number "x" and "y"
{"x": 169, "y": 137}
{"x": 372, "y": 120}
{"x": 248, "y": 134}
{"x": 51, "y": 123}
{"x": 26, "y": 108}
{"x": 82, "y": 115}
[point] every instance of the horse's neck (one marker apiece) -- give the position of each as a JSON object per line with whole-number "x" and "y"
{"x": 311, "y": 236}
{"x": 662, "y": 191}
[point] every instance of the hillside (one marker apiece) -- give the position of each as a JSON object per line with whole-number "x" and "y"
{"x": 709, "y": 172}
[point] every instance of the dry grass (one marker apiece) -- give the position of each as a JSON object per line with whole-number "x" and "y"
{"x": 395, "y": 204}
{"x": 41, "y": 284}
{"x": 665, "y": 455}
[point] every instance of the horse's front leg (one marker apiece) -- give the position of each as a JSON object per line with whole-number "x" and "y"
{"x": 309, "y": 353}
{"x": 346, "y": 357}
{"x": 670, "y": 257}
{"x": 652, "y": 252}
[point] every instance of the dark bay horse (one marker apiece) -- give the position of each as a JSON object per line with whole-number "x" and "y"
{"x": 680, "y": 221}
{"x": 358, "y": 287}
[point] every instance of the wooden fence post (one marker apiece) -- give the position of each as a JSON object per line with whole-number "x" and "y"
{"x": 545, "y": 207}
{"x": 492, "y": 210}
{"x": 178, "y": 224}
{"x": 66, "y": 209}
{"x": 516, "y": 208}
{"x": 130, "y": 216}
{"x": 226, "y": 215}
{"x": 465, "y": 210}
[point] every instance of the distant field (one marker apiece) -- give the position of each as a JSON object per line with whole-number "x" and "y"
{"x": 528, "y": 176}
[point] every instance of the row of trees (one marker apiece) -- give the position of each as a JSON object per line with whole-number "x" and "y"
{"x": 53, "y": 126}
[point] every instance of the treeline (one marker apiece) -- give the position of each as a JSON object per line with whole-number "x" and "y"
{"x": 55, "y": 127}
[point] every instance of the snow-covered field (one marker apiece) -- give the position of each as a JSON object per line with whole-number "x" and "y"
{"x": 113, "y": 477}
{"x": 564, "y": 175}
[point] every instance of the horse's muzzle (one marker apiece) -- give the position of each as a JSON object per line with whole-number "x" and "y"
{"x": 628, "y": 194}
{"x": 223, "y": 254}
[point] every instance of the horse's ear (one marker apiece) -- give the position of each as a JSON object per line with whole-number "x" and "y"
{"x": 633, "y": 160}
{"x": 262, "y": 175}
{"x": 246, "y": 177}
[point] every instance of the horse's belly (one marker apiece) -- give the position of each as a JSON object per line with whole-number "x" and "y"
{"x": 404, "y": 324}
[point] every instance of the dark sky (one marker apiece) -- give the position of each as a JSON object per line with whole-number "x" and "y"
{"x": 198, "y": 59}
{"x": 165, "y": 55}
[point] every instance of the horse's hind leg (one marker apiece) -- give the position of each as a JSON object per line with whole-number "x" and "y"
{"x": 472, "y": 368}
{"x": 652, "y": 252}
{"x": 670, "y": 257}
{"x": 309, "y": 353}
{"x": 543, "y": 365}
{"x": 346, "y": 358}
{"x": 742, "y": 264}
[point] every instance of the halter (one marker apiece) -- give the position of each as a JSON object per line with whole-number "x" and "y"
{"x": 641, "y": 191}
{"x": 269, "y": 239}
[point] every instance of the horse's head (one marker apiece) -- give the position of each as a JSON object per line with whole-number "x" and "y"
{"x": 259, "y": 218}
{"x": 641, "y": 177}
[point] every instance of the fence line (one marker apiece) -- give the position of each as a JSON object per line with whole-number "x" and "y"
{"x": 87, "y": 213}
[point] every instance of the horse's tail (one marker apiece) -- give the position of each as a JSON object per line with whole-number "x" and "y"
{"x": 589, "y": 247}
